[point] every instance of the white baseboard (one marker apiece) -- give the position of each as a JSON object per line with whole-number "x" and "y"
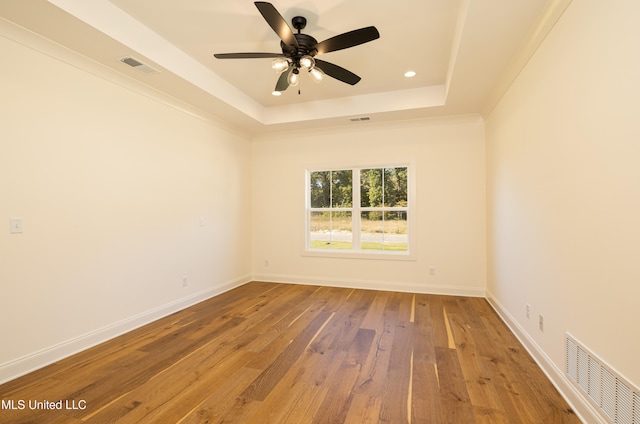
{"x": 373, "y": 285}
{"x": 26, "y": 364}
{"x": 580, "y": 405}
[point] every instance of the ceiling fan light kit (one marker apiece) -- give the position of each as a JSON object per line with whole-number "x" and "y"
{"x": 293, "y": 78}
{"x": 280, "y": 65}
{"x": 316, "y": 75}
{"x": 307, "y": 62}
{"x": 299, "y": 50}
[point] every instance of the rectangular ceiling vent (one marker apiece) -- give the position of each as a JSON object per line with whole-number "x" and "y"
{"x": 615, "y": 397}
{"x": 362, "y": 118}
{"x": 136, "y": 64}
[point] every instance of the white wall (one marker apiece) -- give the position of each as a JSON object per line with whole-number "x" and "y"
{"x": 111, "y": 185}
{"x": 449, "y": 164}
{"x": 563, "y": 149}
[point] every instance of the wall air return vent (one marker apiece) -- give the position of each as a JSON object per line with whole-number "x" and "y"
{"x": 615, "y": 397}
{"x": 136, "y": 64}
{"x": 362, "y": 118}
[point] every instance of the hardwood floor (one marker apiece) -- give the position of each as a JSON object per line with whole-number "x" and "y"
{"x": 278, "y": 353}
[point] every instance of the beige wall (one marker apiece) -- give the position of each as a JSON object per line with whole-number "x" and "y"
{"x": 563, "y": 149}
{"x": 449, "y": 165}
{"x": 111, "y": 185}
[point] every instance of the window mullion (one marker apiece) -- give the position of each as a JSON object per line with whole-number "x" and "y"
{"x": 355, "y": 215}
{"x": 383, "y": 208}
{"x": 331, "y": 208}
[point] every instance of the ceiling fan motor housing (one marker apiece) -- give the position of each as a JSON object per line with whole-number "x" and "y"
{"x": 305, "y": 47}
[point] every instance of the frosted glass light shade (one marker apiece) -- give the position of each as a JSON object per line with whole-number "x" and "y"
{"x": 307, "y": 62}
{"x": 316, "y": 74}
{"x": 280, "y": 65}
{"x": 294, "y": 78}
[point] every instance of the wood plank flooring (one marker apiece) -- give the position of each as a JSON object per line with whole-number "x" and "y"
{"x": 278, "y": 353}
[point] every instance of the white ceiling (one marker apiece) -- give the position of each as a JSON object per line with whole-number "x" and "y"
{"x": 465, "y": 52}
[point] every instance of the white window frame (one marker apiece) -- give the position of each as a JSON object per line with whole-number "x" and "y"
{"x": 356, "y": 210}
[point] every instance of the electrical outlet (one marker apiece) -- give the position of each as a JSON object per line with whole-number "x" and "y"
{"x": 528, "y": 311}
{"x": 541, "y": 322}
{"x": 432, "y": 270}
{"x": 185, "y": 281}
{"x": 266, "y": 263}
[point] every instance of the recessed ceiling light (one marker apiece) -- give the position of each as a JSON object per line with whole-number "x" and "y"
{"x": 410, "y": 74}
{"x": 276, "y": 93}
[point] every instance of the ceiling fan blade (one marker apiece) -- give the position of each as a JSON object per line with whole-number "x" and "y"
{"x": 348, "y": 39}
{"x": 337, "y": 72}
{"x": 283, "y": 81}
{"x": 247, "y": 55}
{"x": 277, "y": 23}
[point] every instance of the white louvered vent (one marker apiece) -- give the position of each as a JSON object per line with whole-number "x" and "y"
{"x": 594, "y": 380}
{"x": 624, "y": 409}
{"x": 608, "y": 393}
{"x": 138, "y": 65}
{"x": 636, "y": 408}
{"x": 616, "y": 398}
{"x": 583, "y": 369}
{"x": 572, "y": 363}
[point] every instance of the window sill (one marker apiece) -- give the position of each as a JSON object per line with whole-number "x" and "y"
{"x": 349, "y": 254}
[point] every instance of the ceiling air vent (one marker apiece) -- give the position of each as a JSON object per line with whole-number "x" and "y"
{"x": 136, "y": 64}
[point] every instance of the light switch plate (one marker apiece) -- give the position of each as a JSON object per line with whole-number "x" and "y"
{"x": 16, "y": 226}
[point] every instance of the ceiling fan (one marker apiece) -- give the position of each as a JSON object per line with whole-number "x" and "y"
{"x": 299, "y": 50}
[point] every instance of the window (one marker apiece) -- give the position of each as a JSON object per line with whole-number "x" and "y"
{"x": 358, "y": 210}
